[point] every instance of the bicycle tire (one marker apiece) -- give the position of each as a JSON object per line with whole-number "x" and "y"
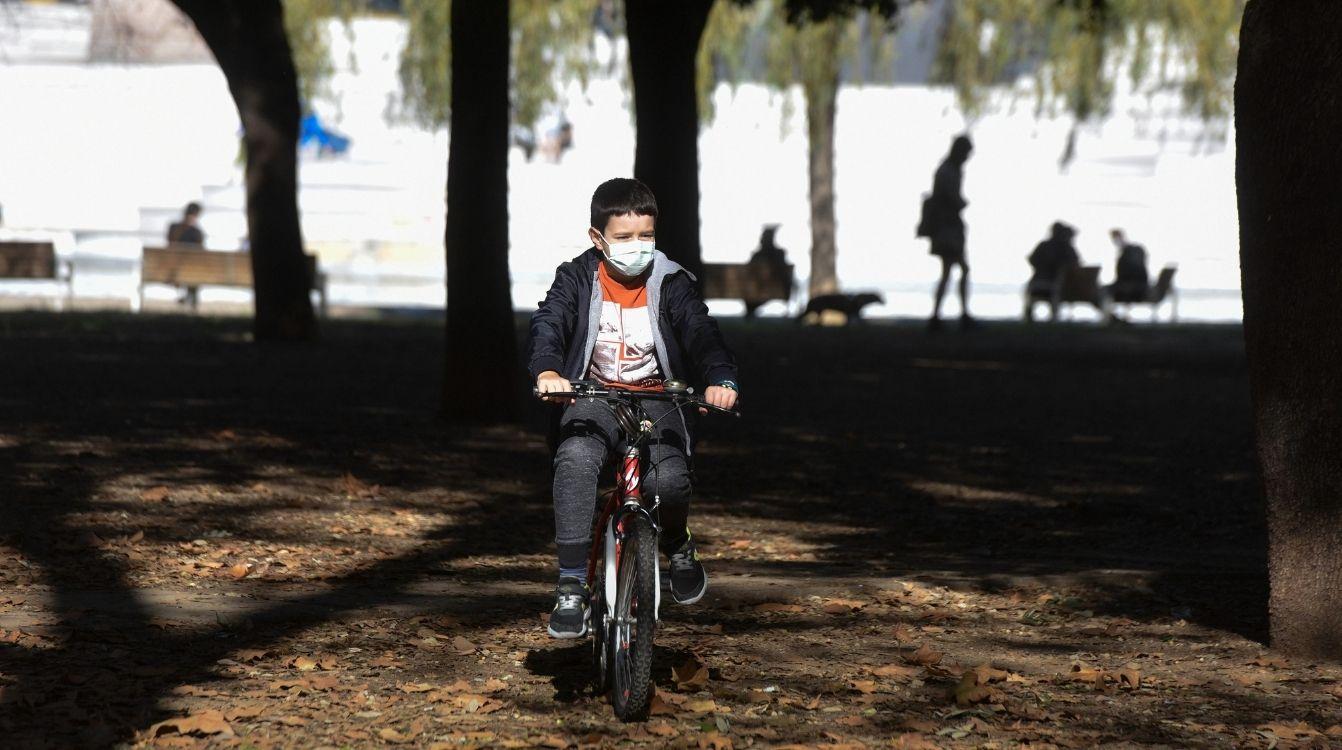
{"x": 635, "y": 605}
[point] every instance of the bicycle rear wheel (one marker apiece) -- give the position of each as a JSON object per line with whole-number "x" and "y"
{"x": 635, "y": 625}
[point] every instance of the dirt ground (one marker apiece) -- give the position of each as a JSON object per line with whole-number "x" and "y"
{"x": 1046, "y": 537}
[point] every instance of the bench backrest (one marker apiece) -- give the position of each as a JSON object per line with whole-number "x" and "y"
{"x": 192, "y": 266}
{"x": 1163, "y": 284}
{"x": 756, "y": 282}
{"x": 1080, "y": 284}
{"x": 27, "y": 260}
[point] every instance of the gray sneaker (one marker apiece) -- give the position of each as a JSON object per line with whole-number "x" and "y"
{"x": 569, "y": 617}
{"x": 689, "y": 582}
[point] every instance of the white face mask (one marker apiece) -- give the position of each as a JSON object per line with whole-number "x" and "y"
{"x": 630, "y": 258}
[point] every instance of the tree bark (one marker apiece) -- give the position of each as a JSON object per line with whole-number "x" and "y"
{"x": 481, "y": 382}
{"x": 821, "y": 87}
{"x": 663, "y": 47}
{"x": 1289, "y": 178}
{"x": 248, "y": 40}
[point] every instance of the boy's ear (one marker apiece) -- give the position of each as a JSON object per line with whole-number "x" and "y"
{"x": 594, "y": 236}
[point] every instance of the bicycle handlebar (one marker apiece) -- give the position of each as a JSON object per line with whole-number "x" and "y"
{"x": 614, "y": 394}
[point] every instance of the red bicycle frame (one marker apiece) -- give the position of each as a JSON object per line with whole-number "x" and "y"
{"x": 628, "y": 486}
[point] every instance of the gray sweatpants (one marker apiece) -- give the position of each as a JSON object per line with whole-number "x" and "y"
{"x": 588, "y": 435}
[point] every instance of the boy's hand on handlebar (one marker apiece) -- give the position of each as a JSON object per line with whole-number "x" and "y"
{"x": 719, "y": 396}
{"x": 552, "y": 382}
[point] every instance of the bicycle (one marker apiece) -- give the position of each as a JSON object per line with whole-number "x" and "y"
{"x": 622, "y": 568}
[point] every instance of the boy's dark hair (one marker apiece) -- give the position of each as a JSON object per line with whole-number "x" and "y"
{"x": 620, "y": 196}
{"x": 192, "y": 209}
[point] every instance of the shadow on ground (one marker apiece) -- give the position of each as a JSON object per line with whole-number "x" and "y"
{"x": 1116, "y": 463}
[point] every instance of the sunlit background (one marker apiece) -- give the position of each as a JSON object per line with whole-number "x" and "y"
{"x": 108, "y": 128}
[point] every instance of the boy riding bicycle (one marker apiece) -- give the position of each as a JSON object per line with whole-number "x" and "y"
{"x": 627, "y": 316}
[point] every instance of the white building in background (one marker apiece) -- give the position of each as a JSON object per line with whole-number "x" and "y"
{"x": 109, "y": 152}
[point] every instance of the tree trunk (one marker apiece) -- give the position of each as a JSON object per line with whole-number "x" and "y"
{"x": 248, "y": 39}
{"x": 821, "y": 87}
{"x": 1289, "y": 178}
{"x": 663, "y": 47}
{"x": 481, "y": 381}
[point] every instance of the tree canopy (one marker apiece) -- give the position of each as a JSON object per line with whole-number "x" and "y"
{"x": 1076, "y": 50}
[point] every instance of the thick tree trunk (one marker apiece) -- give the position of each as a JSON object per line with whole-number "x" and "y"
{"x": 1289, "y": 176}
{"x": 248, "y": 39}
{"x": 663, "y": 47}
{"x": 480, "y": 383}
{"x": 821, "y": 105}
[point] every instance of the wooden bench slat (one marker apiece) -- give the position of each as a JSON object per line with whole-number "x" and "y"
{"x": 28, "y": 260}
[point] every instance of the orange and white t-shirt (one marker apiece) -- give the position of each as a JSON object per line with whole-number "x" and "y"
{"x": 625, "y": 353}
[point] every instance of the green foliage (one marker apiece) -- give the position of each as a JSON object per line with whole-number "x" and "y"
{"x": 305, "y": 23}
{"x": 426, "y": 62}
{"x": 1077, "y": 50}
{"x": 808, "y": 43}
{"x": 552, "y": 44}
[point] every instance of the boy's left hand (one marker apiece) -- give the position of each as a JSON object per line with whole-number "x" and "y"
{"x": 719, "y": 396}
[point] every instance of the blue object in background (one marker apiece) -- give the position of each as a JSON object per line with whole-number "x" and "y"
{"x": 329, "y": 142}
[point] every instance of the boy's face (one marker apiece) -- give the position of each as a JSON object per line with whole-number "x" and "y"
{"x": 626, "y": 228}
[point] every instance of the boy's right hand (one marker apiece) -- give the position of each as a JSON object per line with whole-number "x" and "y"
{"x": 552, "y": 382}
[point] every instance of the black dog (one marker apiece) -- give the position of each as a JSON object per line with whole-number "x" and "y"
{"x": 849, "y": 304}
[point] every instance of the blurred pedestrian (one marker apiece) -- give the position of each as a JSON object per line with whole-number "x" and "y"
{"x": 947, "y": 228}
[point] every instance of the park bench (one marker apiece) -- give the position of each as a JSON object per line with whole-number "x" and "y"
{"x": 1157, "y": 294}
{"x": 36, "y": 261}
{"x": 1078, "y": 284}
{"x": 190, "y": 268}
{"x": 752, "y": 283}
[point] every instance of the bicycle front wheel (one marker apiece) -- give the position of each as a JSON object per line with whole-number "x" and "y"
{"x": 635, "y": 624}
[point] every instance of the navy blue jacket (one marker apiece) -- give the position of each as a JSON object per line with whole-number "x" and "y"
{"x": 689, "y": 344}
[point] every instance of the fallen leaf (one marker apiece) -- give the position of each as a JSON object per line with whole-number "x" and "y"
{"x": 659, "y": 707}
{"x": 416, "y": 687}
{"x": 986, "y": 673}
{"x": 701, "y": 706}
{"x": 1275, "y": 662}
{"x": 324, "y": 682}
{"x": 244, "y": 711}
{"x": 690, "y": 675}
{"x": 661, "y": 729}
{"x": 896, "y": 671}
{"x": 778, "y": 607}
{"x": 971, "y": 690}
{"x": 292, "y": 721}
{"x": 924, "y": 656}
{"x": 135, "y": 538}
{"x": 462, "y": 646}
{"x": 203, "y": 724}
{"x": 914, "y": 742}
{"x": 714, "y": 741}
{"x": 1297, "y": 731}
{"x": 303, "y": 663}
{"x": 251, "y": 654}
{"x": 842, "y": 606}
{"x": 1130, "y": 678}
{"x": 391, "y": 735}
{"x": 863, "y": 686}
{"x": 240, "y": 570}
{"x": 155, "y": 494}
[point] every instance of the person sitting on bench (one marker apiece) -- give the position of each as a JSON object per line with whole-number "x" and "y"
{"x": 1050, "y": 260}
{"x": 187, "y": 231}
{"x": 1132, "y": 282}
